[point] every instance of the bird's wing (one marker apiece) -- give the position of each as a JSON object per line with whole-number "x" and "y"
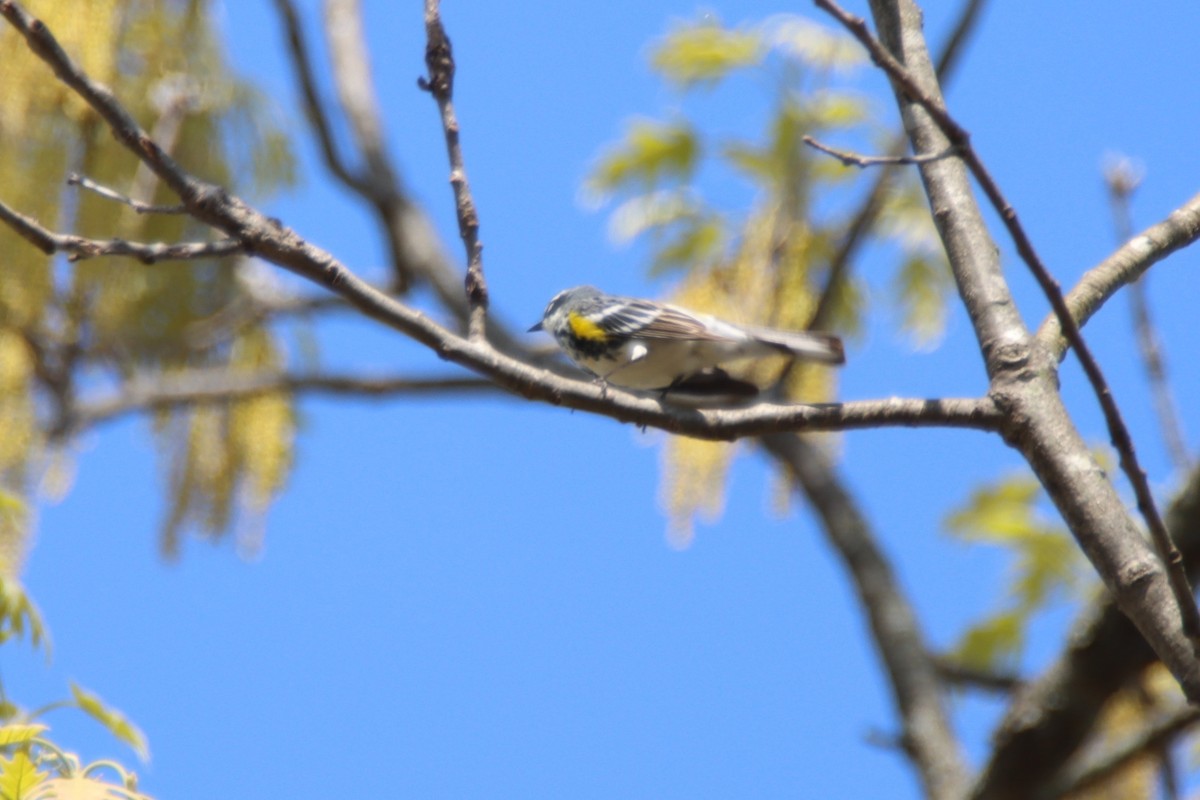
{"x": 657, "y": 321}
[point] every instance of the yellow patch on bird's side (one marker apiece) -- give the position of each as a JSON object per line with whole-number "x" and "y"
{"x": 584, "y": 328}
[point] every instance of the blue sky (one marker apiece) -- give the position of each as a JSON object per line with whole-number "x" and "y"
{"x": 476, "y": 597}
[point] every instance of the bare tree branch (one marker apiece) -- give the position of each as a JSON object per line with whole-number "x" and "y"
{"x": 80, "y": 248}
{"x": 954, "y": 673}
{"x": 318, "y": 117}
{"x": 1022, "y": 378}
{"x": 139, "y": 206}
{"x": 850, "y": 159}
{"x": 928, "y": 736}
{"x": 416, "y": 251}
{"x": 206, "y": 386}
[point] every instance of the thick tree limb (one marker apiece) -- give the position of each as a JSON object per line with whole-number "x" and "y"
{"x": 928, "y": 736}
{"x": 1023, "y": 380}
{"x": 1051, "y": 718}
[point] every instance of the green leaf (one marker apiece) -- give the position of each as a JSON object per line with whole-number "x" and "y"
{"x": 836, "y": 110}
{"x": 920, "y": 288}
{"x": 994, "y": 641}
{"x": 650, "y": 152}
{"x": 19, "y": 776}
{"x": 704, "y": 52}
{"x": 117, "y": 723}
{"x": 19, "y": 734}
{"x": 999, "y": 512}
{"x": 751, "y": 160}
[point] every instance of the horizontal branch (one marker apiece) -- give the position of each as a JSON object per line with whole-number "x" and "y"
{"x": 80, "y": 248}
{"x": 208, "y": 386}
{"x": 221, "y": 385}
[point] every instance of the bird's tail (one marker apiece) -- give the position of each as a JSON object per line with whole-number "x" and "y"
{"x": 811, "y": 346}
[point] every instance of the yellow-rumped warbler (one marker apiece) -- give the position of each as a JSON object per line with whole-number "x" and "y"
{"x": 643, "y": 344}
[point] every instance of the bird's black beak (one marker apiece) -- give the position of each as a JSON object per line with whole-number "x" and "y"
{"x": 536, "y": 327}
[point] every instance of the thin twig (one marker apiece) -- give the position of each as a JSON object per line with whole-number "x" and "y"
{"x": 111, "y": 194}
{"x": 439, "y": 59}
{"x": 862, "y": 222}
{"x": 850, "y": 159}
{"x": 80, "y": 248}
{"x": 1118, "y": 432}
{"x": 1122, "y": 179}
{"x": 416, "y": 251}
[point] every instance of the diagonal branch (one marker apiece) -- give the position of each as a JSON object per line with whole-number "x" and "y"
{"x": 140, "y": 206}
{"x": 414, "y": 248}
{"x": 928, "y": 736}
{"x": 1121, "y": 180}
{"x": 1129, "y": 262}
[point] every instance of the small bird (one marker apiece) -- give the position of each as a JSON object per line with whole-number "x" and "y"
{"x": 647, "y": 345}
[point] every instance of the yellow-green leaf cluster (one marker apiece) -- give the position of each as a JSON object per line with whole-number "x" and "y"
{"x": 117, "y": 317}
{"x": 693, "y": 484}
{"x": 18, "y": 614}
{"x": 232, "y": 456}
{"x": 1046, "y": 563}
{"x": 650, "y": 152}
{"x": 704, "y": 52}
